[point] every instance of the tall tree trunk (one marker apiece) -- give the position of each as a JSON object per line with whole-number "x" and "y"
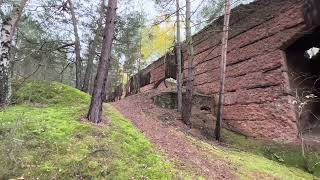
{"x": 95, "y": 111}
{"x": 189, "y": 89}
{"x": 139, "y": 63}
{"x": 178, "y": 53}
{"x": 88, "y": 73}
{"x": 77, "y": 45}
{"x": 92, "y": 50}
{"x": 1, "y": 2}
{"x": 223, "y": 65}
{"x": 8, "y": 29}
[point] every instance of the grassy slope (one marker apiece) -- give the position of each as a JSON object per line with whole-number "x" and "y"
{"x": 288, "y": 155}
{"x": 251, "y": 166}
{"x": 44, "y": 138}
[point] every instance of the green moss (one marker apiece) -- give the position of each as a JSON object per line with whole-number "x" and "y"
{"x": 42, "y": 137}
{"x": 166, "y": 100}
{"x": 252, "y": 166}
{"x": 49, "y": 93}
{"x": 290, "y": 156}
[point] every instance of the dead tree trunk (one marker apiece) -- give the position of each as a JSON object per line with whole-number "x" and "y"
{"x": 8, "y": 29}
{"x": 186, "y": 115}
{"x": 92, "y": 50}
{"x": 95, "y": 111}
{"x": 223, "y": 65}
{"x": 77, "y": 45}
{"x": 179, "y": 63}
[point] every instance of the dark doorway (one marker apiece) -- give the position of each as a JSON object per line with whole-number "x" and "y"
{"x": 303, "y": 58}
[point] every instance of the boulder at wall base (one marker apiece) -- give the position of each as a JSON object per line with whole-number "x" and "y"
{"x": 166, "y": 100}
{"x": 203, "y": 109}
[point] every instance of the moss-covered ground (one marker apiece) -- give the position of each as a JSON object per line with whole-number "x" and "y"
{"x": 252, "y": 166}
{"x": 288, "y": 155}
{"x": 42, "y": 137}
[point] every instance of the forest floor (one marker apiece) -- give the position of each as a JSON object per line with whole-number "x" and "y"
{"x": 43, "y": 136}
{"x": 192, "y": 152}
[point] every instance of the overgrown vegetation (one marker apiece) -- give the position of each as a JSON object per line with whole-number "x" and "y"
{"x": 42, "y": 137}
{"x": 252, "y": 166}
{"x": 166, "y": 100}
{"x": 290, "y": 156}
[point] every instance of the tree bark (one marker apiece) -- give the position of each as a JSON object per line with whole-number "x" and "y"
{"x": 223, "y": 64}
{"x": 139, "y": 63}
{"x": 8, "y": 29}
{"x": 95, "y": 111}
{"x": 179, "y": 62}
{"x": 186, "y": 115}
{"x": 92, "y": 50}
{"x": 1, "y": 2}
{"x": 77, "y": 45}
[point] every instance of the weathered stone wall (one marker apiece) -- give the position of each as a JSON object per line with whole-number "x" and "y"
{"x": 158, "y": 71}
{"x": 258, "y": 100}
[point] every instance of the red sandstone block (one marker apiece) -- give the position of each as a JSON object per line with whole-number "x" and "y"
{"x": 253, "y": 80}
{"x": 290, "y": 18}
{"x": 208, "y": 88}
{"x": 157, "y": 74}
{"x": 267, "y": 129}
{"x": 279, "y": 110}
{"x": 206, "y": 85}
{"x": 208, "y": 66}
{"x": 259, "y": 95}
{"x": 207, "y": 77}
{"x": 287, "y": 19}
{"x": 259, "y": 63}
{"x": 277, "y": 122}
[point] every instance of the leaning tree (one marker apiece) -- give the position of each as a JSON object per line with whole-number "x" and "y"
{"x": 95, "y": 110}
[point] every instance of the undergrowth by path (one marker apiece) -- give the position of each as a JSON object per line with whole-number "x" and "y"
{"x": 251, "y": 166}
{"x": 288, "y": 155}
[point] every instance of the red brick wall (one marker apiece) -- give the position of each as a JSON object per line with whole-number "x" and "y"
{"x": 257, "y": 101}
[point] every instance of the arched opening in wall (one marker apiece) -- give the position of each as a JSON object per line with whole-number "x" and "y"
{"x": 303, "y": 59}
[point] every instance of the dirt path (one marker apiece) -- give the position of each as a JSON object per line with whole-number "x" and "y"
{"x": 167, "y": 133}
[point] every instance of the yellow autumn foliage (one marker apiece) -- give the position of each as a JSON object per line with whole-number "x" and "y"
{"x": 157, "y": 40}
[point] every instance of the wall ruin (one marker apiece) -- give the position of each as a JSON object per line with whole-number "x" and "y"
{"x": 258, "y": 99}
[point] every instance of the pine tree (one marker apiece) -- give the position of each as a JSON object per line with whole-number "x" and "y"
{"x": 223, "y": 66}
{"x": 95, "y": 110}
